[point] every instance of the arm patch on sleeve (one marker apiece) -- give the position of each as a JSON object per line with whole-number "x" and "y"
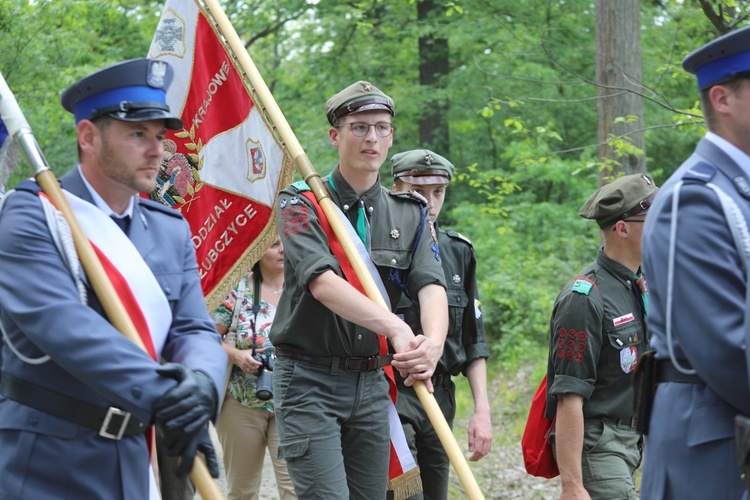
{"x": 582, "y": 286}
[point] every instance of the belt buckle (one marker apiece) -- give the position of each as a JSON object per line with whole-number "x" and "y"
{"x": 113, "y": 414}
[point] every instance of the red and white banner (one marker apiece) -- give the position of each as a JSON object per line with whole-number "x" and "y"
{"x": 224, "y": 169}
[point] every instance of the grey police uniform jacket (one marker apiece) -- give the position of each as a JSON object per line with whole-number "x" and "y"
{"x": 304, "y": 324}
{"x": 42, "y": 313}
{"x": 690, "y": 446}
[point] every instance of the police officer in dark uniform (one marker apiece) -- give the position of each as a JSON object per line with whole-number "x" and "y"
{"x": 76, "y": 396}
{"x": 597, "y": 335}
{"x": 330, "y": 391}
{"x": 428, "y": 174}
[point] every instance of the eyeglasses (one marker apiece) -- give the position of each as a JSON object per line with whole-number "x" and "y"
{"x": 361, "y": 129}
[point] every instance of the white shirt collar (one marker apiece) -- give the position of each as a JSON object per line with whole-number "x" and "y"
{"x": 101, "y": 204}
{"x": 739, "y": 157}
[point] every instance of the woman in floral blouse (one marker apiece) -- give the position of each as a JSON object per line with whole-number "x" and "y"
{"x": 247, "y": 424}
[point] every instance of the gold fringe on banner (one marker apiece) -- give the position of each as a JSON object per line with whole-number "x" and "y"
{"x": 407, "y": 484}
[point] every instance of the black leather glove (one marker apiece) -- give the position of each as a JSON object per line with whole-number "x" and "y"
{"x": 200, "y": 441}
{"x": 185, "y": 409}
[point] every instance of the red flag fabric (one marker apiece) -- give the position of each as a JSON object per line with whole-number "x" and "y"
{"x": 225, "y": 168}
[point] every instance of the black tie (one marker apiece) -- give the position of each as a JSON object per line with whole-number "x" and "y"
{"x": 122, "y": 222}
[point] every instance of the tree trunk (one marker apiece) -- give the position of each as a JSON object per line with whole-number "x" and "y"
{"x": 434, "y": 67}
{"x": 622, "y": 146}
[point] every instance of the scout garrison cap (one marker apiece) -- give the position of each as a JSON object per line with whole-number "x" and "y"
{"x": 130, "y": 91}
{"x": 357, "y": 97}
{"x": 622, "y": 198}
{"x": 720, "y": 60}
{"x": 421, "y": 166}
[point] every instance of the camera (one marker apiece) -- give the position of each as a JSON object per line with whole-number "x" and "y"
{"x": 264, "y": 384}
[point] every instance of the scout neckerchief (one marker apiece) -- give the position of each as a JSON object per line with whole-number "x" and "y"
{"x": 403, "y": 473}
{"x": 363, "y": 225}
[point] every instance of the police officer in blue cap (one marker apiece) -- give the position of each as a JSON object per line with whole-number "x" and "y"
{"x": 76, "y": 396}
{"x": 698, "y": 314}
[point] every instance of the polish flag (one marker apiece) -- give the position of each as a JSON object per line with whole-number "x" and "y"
{"x": 225, "y": 168}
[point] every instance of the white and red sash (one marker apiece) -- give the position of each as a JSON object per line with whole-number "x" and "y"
{"x": 131, "y": 277}
{"x": 134, "y": 283}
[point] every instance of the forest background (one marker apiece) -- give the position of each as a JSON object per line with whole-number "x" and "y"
{"x": 513, "y": 92}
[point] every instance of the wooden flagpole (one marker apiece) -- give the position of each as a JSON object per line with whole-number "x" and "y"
{"x": 265, "y": 101}
{"x": 19, "y": 129}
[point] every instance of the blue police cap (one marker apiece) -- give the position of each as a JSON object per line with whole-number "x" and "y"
{"x": 130, "y": 91}
{"x": 720, "y": 60}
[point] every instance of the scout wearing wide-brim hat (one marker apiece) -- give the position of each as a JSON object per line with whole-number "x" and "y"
{"x": 131, "y": 91}
{"x": 720, "y": 60}
{"x": 421, "y": 167}
{"x": 622, "y": 198}
{"x": 356, "y": 98}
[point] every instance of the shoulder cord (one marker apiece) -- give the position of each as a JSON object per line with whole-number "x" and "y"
{"x": 740, "y": 235}
{"x": 61, "y": 236}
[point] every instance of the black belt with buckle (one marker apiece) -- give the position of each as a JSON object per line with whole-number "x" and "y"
{"x": 666, "y": 372}
{"x": 112, "y": 423}
{"x": 352, "y": 364}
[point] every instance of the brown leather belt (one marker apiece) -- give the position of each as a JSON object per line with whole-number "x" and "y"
{"x": 352, "y": 364}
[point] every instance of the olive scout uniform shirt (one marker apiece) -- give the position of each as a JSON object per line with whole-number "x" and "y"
{"x": 597, "y": 335}
{"x": 394, "y": 219}
{"x": 326, "y": 414}
{"x": 464, "y": 344}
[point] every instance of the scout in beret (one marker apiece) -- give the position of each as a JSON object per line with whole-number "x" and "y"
{"x": 357, "y": 98}
{"x": 693, "y": 253}
{"x": 621, "y": 199}
{"x": 421, "y": 166}
{"x": 597, "y": 337}
{"x": 344, "y": 349}
{"x": 427, "y": 174}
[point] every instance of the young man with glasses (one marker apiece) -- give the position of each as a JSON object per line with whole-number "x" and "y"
{"x": 329, "y": 387}
{"x": 597, "y": 336}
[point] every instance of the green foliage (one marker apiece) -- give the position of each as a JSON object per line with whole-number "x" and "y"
{"x": 524, "y": 258}
{"x": 521, "y": 108}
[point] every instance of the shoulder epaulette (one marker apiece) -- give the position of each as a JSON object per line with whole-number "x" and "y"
{"x": 583, "y": 285}
{"x": 458, "y": 236}
{"x": 409, "y": 195}
{"x": 301, "y": 186}
{"x": 159, "y": 207}
{"x": 700, "y": 172}
{"x": 29, "y": 185}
